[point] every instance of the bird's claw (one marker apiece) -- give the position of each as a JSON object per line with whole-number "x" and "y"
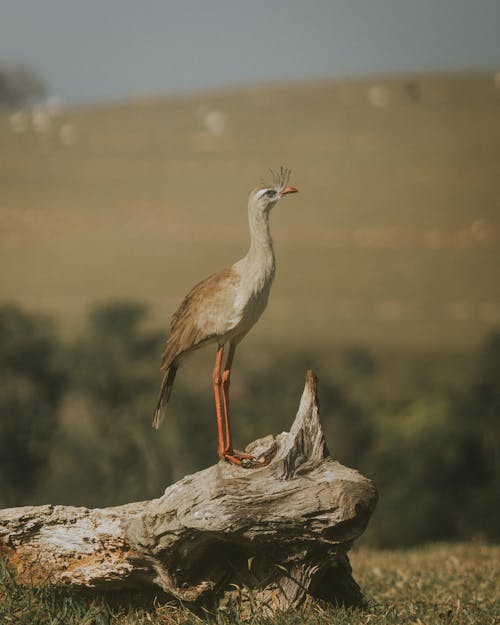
{"x": 246, "y": 461}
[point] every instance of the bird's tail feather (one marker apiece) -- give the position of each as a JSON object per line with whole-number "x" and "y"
{"x": 164, "y": 395}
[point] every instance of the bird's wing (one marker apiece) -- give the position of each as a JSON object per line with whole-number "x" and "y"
{"x": 206, "y": 312}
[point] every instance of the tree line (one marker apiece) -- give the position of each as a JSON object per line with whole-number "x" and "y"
{"x": 75, "y": 425}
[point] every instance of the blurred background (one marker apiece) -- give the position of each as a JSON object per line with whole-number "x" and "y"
{"x": 130, "y": 136}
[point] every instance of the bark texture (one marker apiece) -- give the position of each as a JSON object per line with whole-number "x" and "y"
{"x": 264, "y": 537}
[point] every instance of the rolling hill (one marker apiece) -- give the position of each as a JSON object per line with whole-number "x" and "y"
{"x": 393, "y": 239}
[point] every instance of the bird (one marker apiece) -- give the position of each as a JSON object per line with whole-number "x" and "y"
{"x": 222, "y": 309}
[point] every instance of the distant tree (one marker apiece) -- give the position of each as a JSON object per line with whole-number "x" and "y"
{"x": 32, "y": 386}
{"x": 106, "y": 451}
{"x": 360, "y": 360}
{"x": 478, "y": 416}
{"x": 416, "y": 463}
{"x": 436, "y": 461}
{"x": 113, "y": 354}
{"x": 19, "y": 85}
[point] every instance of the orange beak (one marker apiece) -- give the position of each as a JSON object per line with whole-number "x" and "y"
{"x": 288, "y": 190}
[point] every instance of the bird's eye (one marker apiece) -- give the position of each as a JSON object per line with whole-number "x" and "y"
{"x": 271, "y": 193}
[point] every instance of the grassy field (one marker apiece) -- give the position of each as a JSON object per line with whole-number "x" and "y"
{"x": 393, "y": 238}
{"x": 392, "y": 243}
{"x": 453, "y": 584}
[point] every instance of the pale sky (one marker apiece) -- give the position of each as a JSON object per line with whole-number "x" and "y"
{"x": 94, "y": 50}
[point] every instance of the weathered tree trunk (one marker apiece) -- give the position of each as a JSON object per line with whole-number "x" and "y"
{"x": 265, "y": 537}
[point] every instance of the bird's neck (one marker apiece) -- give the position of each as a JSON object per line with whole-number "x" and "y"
{"x": 261, "y": 252}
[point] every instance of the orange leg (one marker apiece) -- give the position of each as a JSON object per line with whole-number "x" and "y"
{"x": 225, "y": 395}
{"x": 230, "y": 454}
{"x": 224, "y": 449}
{"x": 218, "y": 408}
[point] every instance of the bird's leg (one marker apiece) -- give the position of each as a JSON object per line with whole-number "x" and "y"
{"x": 224, "y": 450}
{"x": 216, "y": 377}
{"x": 226, "y": 381}
{"x": 225, "y": 447}
{"x": 230, "y": 454}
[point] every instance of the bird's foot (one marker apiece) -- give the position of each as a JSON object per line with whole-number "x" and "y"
{"x": 246, "y": 461}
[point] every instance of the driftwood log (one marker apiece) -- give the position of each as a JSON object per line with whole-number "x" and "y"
{"x": 263, "y": 537}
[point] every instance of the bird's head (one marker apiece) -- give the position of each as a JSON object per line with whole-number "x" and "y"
{"x": 265, "y": 196}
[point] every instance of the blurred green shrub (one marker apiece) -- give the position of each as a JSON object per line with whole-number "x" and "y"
{"x": 106, "y": 452}
{"x": 33, "y": 380}
{"x": 436, "y": 461}
{"x": 477, "y": 411}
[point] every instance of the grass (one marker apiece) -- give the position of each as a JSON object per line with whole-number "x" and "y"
{"x": 393, "y": 238}
{"x": 443, "y": 584}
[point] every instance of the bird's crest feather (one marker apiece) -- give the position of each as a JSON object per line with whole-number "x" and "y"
{"x": 280, "y": 179}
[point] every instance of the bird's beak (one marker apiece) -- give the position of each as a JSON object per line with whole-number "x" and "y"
{"x": 288, "y": 190}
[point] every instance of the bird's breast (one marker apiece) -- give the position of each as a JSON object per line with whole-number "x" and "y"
{"x": 251, "y": 298}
